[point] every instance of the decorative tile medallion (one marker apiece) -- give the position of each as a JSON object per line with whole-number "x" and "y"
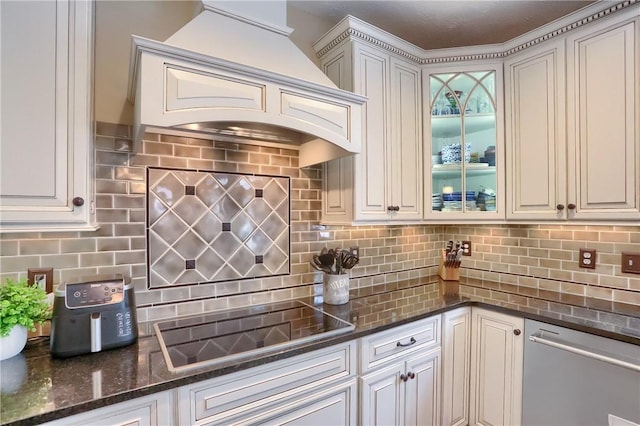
{"x": 210, "y": 227}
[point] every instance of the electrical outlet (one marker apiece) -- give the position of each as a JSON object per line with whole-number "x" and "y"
{"x": 355, "y": 251}
{"x": 631, "y": 263}
{"x": 466, "y": 248}
{"x": 587, "y": 259}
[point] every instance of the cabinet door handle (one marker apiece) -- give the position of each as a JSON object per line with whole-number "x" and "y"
{"x": 403, "y": 378}
{"x": 411, "y": 342}
{"x": 411, "y": 375}
{"x": 78, "y": 201}
{"x": 560, "y": 207}
{"x": 393, "y": 208}
{"x": 517, "y": 332}
{"x": 571, "y": 206}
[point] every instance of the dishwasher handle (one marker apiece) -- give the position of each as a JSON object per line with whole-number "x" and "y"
{"x": 538, "y": 338}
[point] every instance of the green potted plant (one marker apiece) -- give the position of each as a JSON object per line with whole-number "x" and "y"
{"x": 22, "y": 306}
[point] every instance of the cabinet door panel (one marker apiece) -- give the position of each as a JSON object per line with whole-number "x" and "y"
{"x": 406, "y": 141}
{"x": 456, "y": 340}
{"x": 463, "y": 120}
{"x": 381, "y": 396}
{"x": 422, "y": 393}
{"x": 46, "y": 102}
{"x": 371, "y": 189}
{"x": 337, "y": 185}
{"x": 535, "y": 132}
{"x": 31, "y": 57}
{"x": 604, "y": 75}
{"x": 496, "y": 360}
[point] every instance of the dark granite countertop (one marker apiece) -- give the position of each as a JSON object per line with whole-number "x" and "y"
{"x": 36, "y": 388}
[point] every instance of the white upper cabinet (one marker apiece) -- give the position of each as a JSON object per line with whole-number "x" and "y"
{"x": 384, "y": 182}
{"x": 46, "y": 155}
{"x": 535, "y": 132}
{"x": 542, "y": 127}
{"x": 584, "y": 165}
{"x": 464, "y": 146}
{"x": 603, "y": 132}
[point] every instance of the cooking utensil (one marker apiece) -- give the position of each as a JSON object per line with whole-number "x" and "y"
{"x": 318, "y": 266}
{"x": 328, "y": 260}
{"x": 347, "y": 260}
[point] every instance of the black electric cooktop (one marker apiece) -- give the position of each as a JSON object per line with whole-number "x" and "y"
{"x": 213, "y": 338}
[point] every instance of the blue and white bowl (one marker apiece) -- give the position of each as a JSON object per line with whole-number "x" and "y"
{"x": 453, "y": 153}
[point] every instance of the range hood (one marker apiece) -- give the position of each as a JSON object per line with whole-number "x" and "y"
{"x": 233, "y": 72}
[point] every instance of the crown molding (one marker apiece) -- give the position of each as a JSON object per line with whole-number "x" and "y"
{"x": 351, "y": 28}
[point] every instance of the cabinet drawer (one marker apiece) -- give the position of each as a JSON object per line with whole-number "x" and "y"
{"x": 388, "y": 345}
{"x": 222, "y": 399}
{"x": 152, "y": 410}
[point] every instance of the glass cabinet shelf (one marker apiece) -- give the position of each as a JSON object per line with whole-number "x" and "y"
{"x": 453, "y": 170}
{"x": 447, "y": 126}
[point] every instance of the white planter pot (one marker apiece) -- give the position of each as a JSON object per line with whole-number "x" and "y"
{"x": 336, "y": 289}
{"x": 12, "y": 344}
{"x": 13, "y": 373}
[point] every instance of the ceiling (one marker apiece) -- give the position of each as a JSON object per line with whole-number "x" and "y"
{"x": 433, "y": 24}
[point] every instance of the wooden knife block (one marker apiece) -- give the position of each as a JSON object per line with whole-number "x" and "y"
{"x": 446, "y": 273}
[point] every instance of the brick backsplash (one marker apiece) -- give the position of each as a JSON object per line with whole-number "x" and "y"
{"x": 543, "y": 256}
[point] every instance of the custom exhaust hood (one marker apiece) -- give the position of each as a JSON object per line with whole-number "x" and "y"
{"x": 233, "y": 72}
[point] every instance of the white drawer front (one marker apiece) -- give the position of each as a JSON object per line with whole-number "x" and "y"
{"x": 221, "y": 399}
{"x": 387, "y": 345}
{"x": 152, "y": 410}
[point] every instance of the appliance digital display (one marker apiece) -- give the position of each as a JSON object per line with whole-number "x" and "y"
{"x": 81, "y": 295}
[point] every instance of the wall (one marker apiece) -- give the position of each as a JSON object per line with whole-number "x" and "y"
{"x": 537, "y": 256}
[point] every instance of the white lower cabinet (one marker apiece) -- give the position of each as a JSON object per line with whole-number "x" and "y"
{"x": 497, "y": 345}
{"x": 456, "y": 353}
{"x": 332, "y": 406}
{"x": 405, "y": 393}
{"x": 400, "y": 375}
{"x": 313, "y": 388}
{"x": 153, "y": 410}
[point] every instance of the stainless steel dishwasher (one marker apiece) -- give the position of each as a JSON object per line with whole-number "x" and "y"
{"x": 576, "y": 378}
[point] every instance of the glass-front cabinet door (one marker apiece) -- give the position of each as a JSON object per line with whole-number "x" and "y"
{"x": 463, "y": 132}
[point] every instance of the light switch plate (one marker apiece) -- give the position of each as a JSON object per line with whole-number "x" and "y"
{"x": 42, "y": 277}
{"x": 587, "y": 259}
{"x": 630, "y": 263}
